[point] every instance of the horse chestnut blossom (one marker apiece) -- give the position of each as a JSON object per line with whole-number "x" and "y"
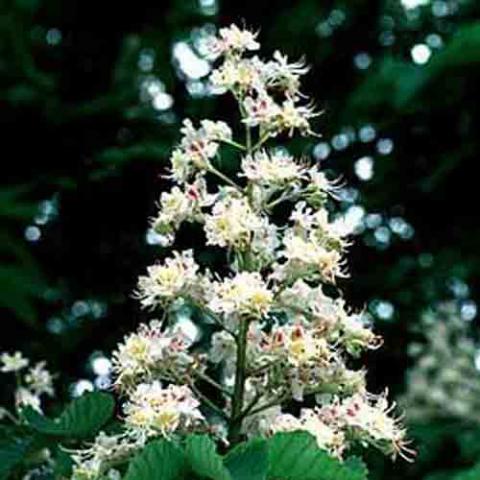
{"x": 245, "y": 295}
{"x": 152, "y": 409}
{"x": 32, "y": 383}
{"x": 167, "y": 281}
{"x": 272, "y": 331}
{"x": 232, "y": 222}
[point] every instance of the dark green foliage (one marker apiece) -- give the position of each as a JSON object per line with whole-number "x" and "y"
{"x": 289, "y": 456}
{"x": 249, "y": 460}
{"x": 15, "y": 445}
{"x": 295, "y": 456}
{"x": 21, "y": 280}
{"x": 22, "y": 446}
{"x": 83, "y": 417}
{"x": 203, "y": 458}
{"x": 159, "y": 460}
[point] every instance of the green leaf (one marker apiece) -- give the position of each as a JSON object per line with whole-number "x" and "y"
{"x": 13, "y": 449}
{"x": 160, "y": 460}
{"x": 356, "y": 467}
{"x": 296, "y": 456}
{"x": 248, "y": 461}
{"x": 63, "y": 463}
{"x": 204, "y": 459}
{"x": 471, "y": 474}
{"x": 82, "y": 418}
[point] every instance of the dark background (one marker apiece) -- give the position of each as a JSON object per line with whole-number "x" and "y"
{"x": 83, "y": 151}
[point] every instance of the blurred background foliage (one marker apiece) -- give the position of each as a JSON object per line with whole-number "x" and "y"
{"x": 92, "y": 95}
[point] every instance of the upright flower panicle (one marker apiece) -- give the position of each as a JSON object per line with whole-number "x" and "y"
{"x": 273, "y": 335}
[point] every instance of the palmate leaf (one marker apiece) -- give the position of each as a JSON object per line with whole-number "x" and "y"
{"x": 296, "y": 456}
{"x": 248, "y": 461}
{"x": 204, "y": 460}
{"x": 82, "y": 418}
{"x": 285, "y": 456}
{"x": 158, "y": 460}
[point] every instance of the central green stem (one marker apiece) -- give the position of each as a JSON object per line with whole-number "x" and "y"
{"x": 235, "y": 426}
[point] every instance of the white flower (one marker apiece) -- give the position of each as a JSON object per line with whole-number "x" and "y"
{"x": 202, "y": 144}
{"x": 261, "y": 111}
{"x": 167, "y": 281}
{"x": 285, "y": 422}
{"x": 26, "y": 398}
{"x": 181, "y": 166}
{"x": 295, "y": 117}
{"x": 277, "y": 168}
{"x": 94, "y": 461}
{"x": 240, "y": 75}
{"x": 13, "y": 362}
{"x": 196, "y": 144}
{"x": 223, "y": 350}
{"x": 180, "y": 205}
{"x": 361, "y": 418}
{"x": 261, "y": 423}
{"x": 233, "y": 40}
{"x": 320, "y": 186}
{"x": 356, "y": 336}
{"x": 215, "y": 131}
{"x": 370, "y": 417}
{"x": 40, "y": 380}
{"x": 308, "y": 259}
{"x": 245, "y": 294}
{"x": 154, "y": 410}
{"x": 284, "y": 75}
{"x": 299, "y": 345}
{"x": 315, "y": 225}
{"x": 265, "y": 243}
{"x": 302, "y": 296}
{"x": 327, "y": 437}
{"x": 197, "y": 147}
{"x": 231, "y": 223}
{"x": 148, "y": 351}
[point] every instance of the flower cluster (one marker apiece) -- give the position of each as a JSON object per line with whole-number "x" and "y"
{"x": 274, "y": 335}
{"x": 444, "y": 381}
{"x": 233, "y": 40}
{"x": 99, "y": 459}
{"x": 166, "y": 281}
{"x": 268, "y": 92}
{"x": 181, "y": 205}
{"x": 245, "y": 295}
{"x": 272, "y": 168}
{"x": 361, "y": 417}
{"x": 150, "y": 352}
{"x": 32, "y": 383}
{"x": 231, "y": 223}
{"x": 197, "y": 147}
{"x": 153, "y": 409}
